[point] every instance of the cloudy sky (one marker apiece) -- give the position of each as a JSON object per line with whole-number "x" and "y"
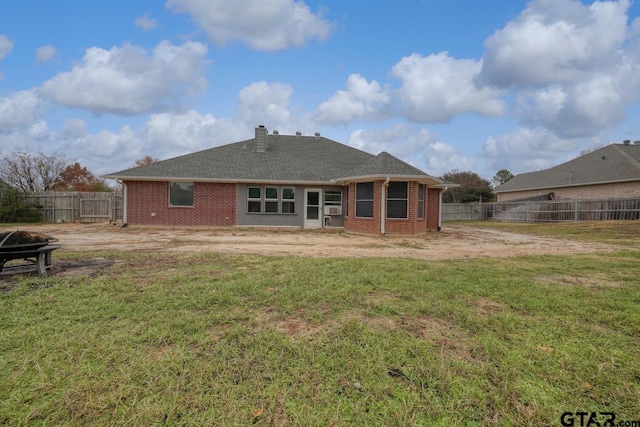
{"x": 442, "y": 84}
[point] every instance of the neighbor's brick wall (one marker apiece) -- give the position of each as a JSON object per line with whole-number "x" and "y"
{"x": 214, "y": 205}
{"x": 412, "y": 225}
{"x": 602, "y": 191}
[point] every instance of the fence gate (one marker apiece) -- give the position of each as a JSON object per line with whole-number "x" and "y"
{"x": 95, "y": 209}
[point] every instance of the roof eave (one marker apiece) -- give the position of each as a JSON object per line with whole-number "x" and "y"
{"x": 549, "y": 187}
{"x": 219, "y": 180}
{"x": 423, "y": 179}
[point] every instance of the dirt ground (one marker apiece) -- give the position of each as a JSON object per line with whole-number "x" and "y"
{"x": 453, "y": 242}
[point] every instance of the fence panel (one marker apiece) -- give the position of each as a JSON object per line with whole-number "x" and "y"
{"x": 79, "y": 206}
{"x": 544, "y": 211}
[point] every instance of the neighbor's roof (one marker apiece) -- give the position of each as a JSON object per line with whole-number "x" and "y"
{"x": 611, "y": 164}
{"x": 288, "y": 158}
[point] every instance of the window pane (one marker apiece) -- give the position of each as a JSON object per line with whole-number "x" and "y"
{"x": 364, "y": 209}
{"x": 271, "y": 207}
{"x": 271, "y": 193}
{"x": 288, "y": 207}
{"x": 254, "y": 192}
{"x": 181, "y": 194}
{"x": 288, "y": 193}
{"x": 313, "y": 198}
{"x": 333, "y": 197}
{"x": 397, "y": 190}
{"x": 364, "y": 190}
{"x": 420, "y": 209}
{"x": 253, "y": 206}
{"x": 420, "y": 191}
{"x": 396, "y": 209}
{"x": 312, "y": 212}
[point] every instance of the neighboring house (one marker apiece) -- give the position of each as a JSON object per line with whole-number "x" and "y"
{"x": 609, "y": 172}
{"x": 284, "y": 180}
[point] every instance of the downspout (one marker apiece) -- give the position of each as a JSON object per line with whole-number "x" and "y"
{"x": 440, "y": 208}
{"x": 383, "y": 205}
{"x": 124, "y": 203}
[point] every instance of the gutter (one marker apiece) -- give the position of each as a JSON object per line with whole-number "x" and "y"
{"x": 383, "y": 205}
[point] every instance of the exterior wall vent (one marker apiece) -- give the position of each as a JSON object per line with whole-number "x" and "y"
{"x": 261, "y": 139}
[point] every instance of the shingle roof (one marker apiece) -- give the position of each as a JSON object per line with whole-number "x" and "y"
{"x": 613, "y": 163}
{"x": 384, "y": 164}
{"x": 287, "y": 158}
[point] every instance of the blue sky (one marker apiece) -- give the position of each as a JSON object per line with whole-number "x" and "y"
{"x": 444, "y": 85}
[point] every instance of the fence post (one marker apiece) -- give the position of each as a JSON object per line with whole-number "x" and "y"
{"x": 575, "y": 211}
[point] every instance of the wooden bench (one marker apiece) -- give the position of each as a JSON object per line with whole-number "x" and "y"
{"x": 41, "y": 257}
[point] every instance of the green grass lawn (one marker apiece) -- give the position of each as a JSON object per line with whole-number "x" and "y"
{"x": 213, "y": 339}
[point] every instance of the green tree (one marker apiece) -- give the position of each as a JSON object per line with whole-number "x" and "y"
{"x": 502, "y": 176}
{"x": 472, "y": 188}
{"x": 14, "y": 207}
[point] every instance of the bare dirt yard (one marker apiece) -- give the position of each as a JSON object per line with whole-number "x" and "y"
{"x": 453, "y": 242}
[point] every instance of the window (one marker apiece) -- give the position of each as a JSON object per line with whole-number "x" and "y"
{"x": 397, "y": 200}
{"x": 288, "y": 200}
{"x": 364, "y": 200}
{"x": 333, "y": 198}
{"x": 271, "y": 199}
{"x": 420, "y": 201}
{"x": 254, "y": 199}
{"x": 181, "y": 193}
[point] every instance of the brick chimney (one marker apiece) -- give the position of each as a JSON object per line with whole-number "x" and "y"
{"x": 261, "y": 139}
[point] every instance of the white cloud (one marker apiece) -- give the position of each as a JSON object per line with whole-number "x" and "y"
{"x": 45, "y": 53}
{"x": 265, "y": 103}
{"x": 20, "y": 109}
{"x": 272, "y": 25}
{"x": 6, "y": 46}
{"x": 530, "y": 149}
{"x": 555, "y": 41}
{"x": 360, "y": 100}
{"x": 145, "y": 22}
{"x": 437, "y": 88}
{"x": 128, "y": 80}
{"x": 416, "y": 146}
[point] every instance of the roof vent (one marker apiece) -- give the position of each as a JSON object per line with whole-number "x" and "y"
{"x": 298, "y": 134}
{"x": 275, "y": 132}
{"x": 636, "y": 142}
{"x": 626, "y": 142}
{"x": 317, "y": 134}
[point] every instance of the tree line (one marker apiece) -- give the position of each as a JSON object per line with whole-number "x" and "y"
{"x": 472, "y": 188}
{"x": 38, "y": 172}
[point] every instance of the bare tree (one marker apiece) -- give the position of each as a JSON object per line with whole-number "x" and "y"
{"x": 31, "y": 172}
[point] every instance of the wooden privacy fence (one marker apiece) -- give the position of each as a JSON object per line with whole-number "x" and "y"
{"x": 544, "y": 211}
{"x": 78, "y": 206}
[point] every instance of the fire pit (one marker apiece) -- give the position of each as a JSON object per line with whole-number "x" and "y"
{"x": 35, "y": 248}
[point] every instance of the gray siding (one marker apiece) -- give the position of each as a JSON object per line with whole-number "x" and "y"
{"x": 279, "y": 219}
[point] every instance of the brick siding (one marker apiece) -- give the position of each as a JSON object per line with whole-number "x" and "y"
{"x": 411, "y": 225}
{"x": 601, "y": 191}
{"x": 148, "y": 204}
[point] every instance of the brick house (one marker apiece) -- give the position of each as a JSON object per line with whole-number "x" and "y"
{"x": 609, "y": 172}
{"x": 284, "y": 180}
